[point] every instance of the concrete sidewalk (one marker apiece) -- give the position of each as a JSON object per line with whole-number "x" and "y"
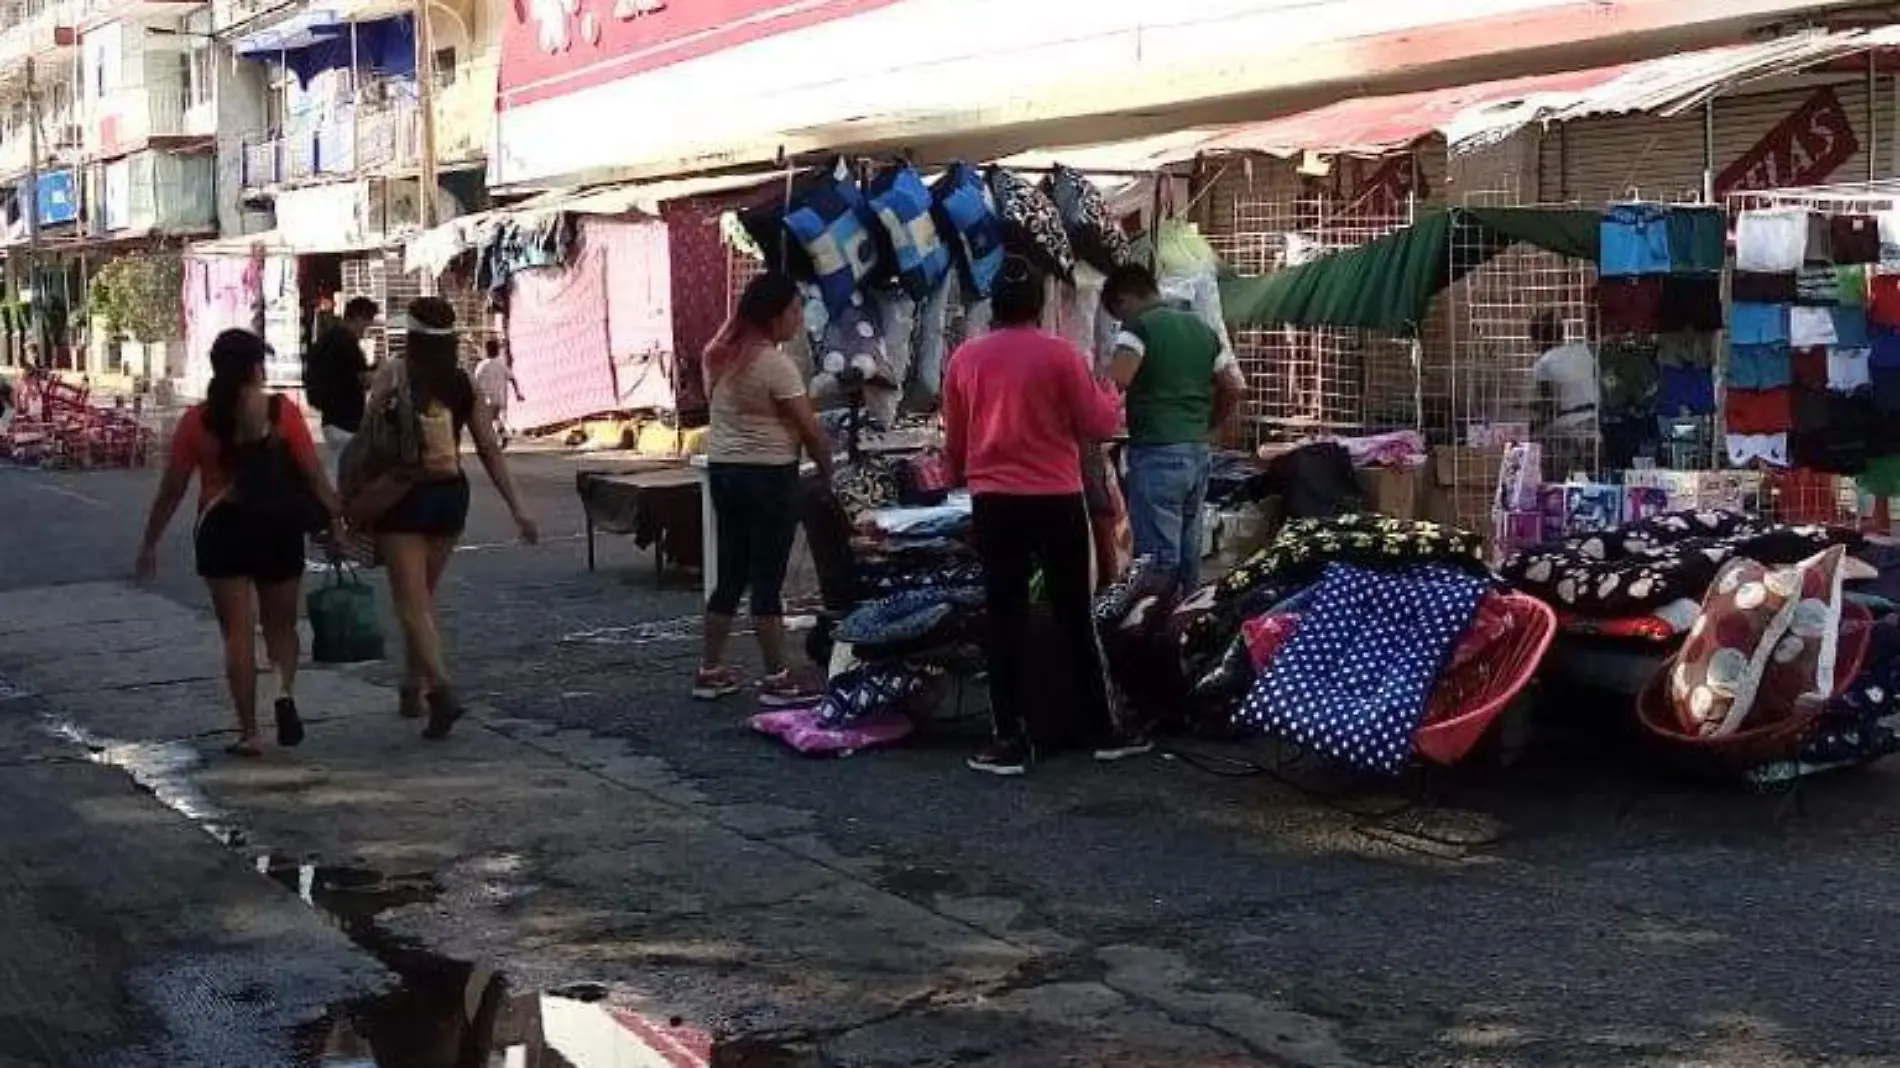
{"x": 132, "y": 939}
{"x": 567, "y": 857}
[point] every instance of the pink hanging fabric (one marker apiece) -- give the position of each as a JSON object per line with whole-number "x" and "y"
{"x": 639, "y": 285}
{"x": 219, "y": 293}
{"x": 558, "y": 332}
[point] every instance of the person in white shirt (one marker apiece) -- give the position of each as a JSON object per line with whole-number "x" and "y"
{"x": 1564, "y": 416}
{"x": 495, "y": 382}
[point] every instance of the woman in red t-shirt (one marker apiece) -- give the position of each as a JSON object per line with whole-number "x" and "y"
{"x": 247, "y": 448}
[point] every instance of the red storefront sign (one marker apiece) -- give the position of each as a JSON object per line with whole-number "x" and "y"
{"x": 551, "y": 48}
{"x": 1806, "y": 148}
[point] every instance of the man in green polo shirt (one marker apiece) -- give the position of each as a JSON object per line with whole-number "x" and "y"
{"x": 1182, "y": 385}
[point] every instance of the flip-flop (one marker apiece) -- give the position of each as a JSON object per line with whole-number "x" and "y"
{"x": 247, "y": 750}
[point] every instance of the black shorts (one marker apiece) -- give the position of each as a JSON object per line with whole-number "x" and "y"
{"x": 231, "y": 544}
{"x": 432, "y": 509}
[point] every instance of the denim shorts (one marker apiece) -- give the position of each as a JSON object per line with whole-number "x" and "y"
{"x": 1758, "y": 324}
{"x": 1760, "y": 366}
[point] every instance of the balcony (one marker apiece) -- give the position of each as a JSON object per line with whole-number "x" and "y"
{"x": 465, "y": 111}
{"x": 362, "y": 140}
{"x": 93, "y": 12}
{"x": 37, "y": 29}
{"x": 59, "y": 144}
{"x": 227, "y": 14}
{"x": 130, "y": 118}
{"x": 153, "y": 192}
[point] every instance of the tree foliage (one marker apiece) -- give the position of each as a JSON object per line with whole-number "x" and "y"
{"x": 141, "y": 296}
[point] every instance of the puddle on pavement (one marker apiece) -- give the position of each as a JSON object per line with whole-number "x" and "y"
{"x": 441, "y": 1013}
{"x": 162, "y": 768}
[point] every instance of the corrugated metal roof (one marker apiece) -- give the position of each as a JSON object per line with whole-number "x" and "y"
{"x": 433, "y": 249}
{"x": 1664, "y": 87}
{"x": 1143, "y": 154}
{"x": 1474, "y": 116}
{"x": 1374, "y": 126}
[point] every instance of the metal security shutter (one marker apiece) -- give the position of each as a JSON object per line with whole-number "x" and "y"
{"x": 1593, "y": 162}
{"x": 1597, "y": 161}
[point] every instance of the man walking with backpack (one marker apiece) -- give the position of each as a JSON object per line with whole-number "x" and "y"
{"x": 336, "y": 375}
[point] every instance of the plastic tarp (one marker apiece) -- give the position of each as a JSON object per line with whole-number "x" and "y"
{"x": 1387, "y": 285}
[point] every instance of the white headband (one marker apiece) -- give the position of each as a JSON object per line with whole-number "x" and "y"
{"x": 411, "y": 324}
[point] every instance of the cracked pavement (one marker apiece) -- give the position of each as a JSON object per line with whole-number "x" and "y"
{"x": 589, "y": 823}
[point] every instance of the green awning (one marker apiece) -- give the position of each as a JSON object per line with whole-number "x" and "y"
{"x": 1388, "y": 284}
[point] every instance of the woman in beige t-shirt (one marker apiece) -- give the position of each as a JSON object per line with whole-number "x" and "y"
{"x": 762, "y": 421}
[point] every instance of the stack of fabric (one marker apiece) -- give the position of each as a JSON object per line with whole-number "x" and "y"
{"x": 1659, "y": 303}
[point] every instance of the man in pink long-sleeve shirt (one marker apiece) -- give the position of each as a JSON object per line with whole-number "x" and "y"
{"x": 1018, "y": 404}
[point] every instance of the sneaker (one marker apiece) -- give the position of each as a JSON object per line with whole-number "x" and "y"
{"x": 785, "y": 690}
{"x": 444, "y": 710}
{"x": 1002, "y": 758}
{"x": 1122, "y": 747}
{"x": 289, "y": 723}
{"x": 714, "y": 683}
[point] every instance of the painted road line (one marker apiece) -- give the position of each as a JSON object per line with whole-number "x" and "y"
{"x": 71, "y": 494}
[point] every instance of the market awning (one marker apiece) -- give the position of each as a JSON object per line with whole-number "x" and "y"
{"x": 301, "y": 30}
{"x": 1388, "y": 285}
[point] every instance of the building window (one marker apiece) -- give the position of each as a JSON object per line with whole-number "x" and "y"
{"x": 199, "y": 77}
{"x": 445, "y": 68}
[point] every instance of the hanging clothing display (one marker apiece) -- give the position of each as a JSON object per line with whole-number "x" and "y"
{"x": 1809, "y": 349}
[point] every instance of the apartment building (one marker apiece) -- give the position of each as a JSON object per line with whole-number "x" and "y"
{"x": 337, "y": 158}
{"x": 109, "y": 111}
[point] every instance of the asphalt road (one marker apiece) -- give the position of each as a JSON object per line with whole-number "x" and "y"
{"x": 1572, "y": 910}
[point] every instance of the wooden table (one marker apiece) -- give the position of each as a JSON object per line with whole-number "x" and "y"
{"x": 661, "y": 503}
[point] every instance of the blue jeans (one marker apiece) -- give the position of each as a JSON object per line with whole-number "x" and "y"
{"x": 1167, "y": 486}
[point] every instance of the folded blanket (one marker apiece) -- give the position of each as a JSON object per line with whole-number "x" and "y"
{"x": 1353, "y": 680}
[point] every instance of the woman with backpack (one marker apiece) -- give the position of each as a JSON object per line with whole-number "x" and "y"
{"x": 261, "y": 489}
{"x": 427, "y": 391}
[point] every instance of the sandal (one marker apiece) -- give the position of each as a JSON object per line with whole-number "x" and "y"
{"x": 444, "y": 710}
{"x": 289, "y": 723}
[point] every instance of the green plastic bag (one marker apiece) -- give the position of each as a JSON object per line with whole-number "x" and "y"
{"x": 343, "y": 621}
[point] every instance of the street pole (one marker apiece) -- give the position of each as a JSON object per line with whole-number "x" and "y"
{"x": 425, "y": 102}
{"x": 32, "y": 209}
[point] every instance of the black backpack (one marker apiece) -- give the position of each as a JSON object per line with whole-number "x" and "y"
{"x": 268, "y": 484}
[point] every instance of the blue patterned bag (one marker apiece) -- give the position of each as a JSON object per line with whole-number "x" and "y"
{"x": 967, "y": 219}
{"x": 903, "y": 205}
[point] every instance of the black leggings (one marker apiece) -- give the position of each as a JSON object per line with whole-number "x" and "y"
{"x": 1015, "y": 536}
{"x": 757, "y": 509}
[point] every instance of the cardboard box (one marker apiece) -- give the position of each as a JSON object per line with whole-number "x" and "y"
{"x": 1393, "y": 491}
{"x": 1463, "y": 486}
{"x": 1514, "y": 531}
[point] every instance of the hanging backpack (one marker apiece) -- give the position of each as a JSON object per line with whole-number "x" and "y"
{"x": 380, "y": 464}
{"x": 269, "y": 485}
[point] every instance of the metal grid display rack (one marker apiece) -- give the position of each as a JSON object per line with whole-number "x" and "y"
{"x": 1307, "y": 380}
